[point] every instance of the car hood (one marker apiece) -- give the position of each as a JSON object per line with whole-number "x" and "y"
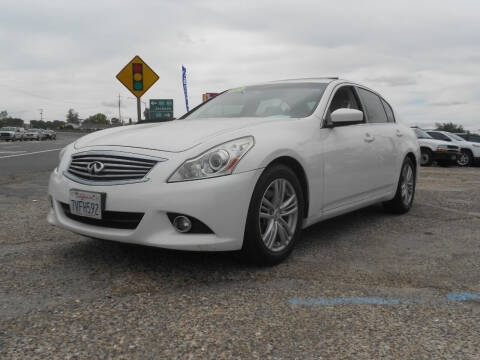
{"x": 7, "y": 131}
{"x": 171, "y": 136}
{"x": 434, "y": 142}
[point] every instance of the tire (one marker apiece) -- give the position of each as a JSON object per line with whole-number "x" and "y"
{"x": 279, "y": 231}
{"x": 426, "y": 157}
{"x": 465, "y": 159}
{"x": 403, "y": 200}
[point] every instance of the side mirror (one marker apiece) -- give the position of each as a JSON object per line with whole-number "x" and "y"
{"x": 345, "y": 116}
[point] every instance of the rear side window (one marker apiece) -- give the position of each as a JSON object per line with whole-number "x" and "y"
{"x": 373, "y": 106}
{"x": 438, "y": 136}
{"x": 389, "y": 111}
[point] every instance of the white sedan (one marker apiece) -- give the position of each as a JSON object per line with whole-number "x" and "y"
{"x": 246, "y": 170}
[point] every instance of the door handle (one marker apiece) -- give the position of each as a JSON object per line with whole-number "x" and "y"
{"x": 368, "y": 137}
{"x": 399, "y": 133}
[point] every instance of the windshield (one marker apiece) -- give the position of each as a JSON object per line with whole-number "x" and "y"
{"x": 422, "y": 134}
{"x": 295, "y": 100}
{"x": 456, "y": 137}
{"x": 8, "y": 129}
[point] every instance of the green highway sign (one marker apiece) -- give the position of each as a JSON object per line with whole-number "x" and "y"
{"x": 161, "y": 109}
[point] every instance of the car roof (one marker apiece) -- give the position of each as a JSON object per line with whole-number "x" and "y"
{"x": 320, "y": 80}
{"x": 323, "y": 80}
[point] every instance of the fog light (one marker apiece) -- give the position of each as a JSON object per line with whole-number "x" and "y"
{"x": 182, "y": 224}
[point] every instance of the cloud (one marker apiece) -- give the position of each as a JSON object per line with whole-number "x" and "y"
{"x": 66, "y": 54}
{"x": 394, "y": 80}
{"x": 112, "y": 104}
{"x": 448, "y": 103}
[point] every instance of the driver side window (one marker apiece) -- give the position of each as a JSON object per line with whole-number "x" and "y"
{"x": 344, "y": 98}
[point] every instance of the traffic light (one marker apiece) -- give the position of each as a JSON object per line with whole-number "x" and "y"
{"x": 137, "y": 70}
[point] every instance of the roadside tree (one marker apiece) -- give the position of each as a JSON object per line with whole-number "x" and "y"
{"x": 450, "y": 127}
{"x": 72, "y": 117}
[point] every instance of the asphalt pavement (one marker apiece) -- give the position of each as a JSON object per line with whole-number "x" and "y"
{"x": 365, "y": 285}
{"x": 35, "y": 156}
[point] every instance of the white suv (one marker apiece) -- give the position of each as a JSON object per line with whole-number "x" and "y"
{"x": 444, "y": 153}
{"x": 469, "y": 151}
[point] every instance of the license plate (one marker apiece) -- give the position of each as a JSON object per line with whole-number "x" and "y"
{"x": 86, "y": 203}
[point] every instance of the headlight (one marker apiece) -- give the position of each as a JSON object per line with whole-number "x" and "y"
{"x": 218, "y": 161}
{"x": 476, "y": 145}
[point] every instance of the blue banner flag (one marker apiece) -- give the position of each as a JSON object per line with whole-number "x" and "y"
{"x": 184, "y": 79}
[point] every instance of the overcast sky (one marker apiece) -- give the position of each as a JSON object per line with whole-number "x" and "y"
{"x": 423, "y": 56}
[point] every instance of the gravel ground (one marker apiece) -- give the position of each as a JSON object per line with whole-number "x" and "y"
{"x": 64, "y": 296}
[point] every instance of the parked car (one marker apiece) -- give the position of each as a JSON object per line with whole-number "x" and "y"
{"x": 51, "y": 135}
{"x": 247, "y": 170}
{"x": 10, "y": 133}
{"x": 35, "y": 134}
{"x": 470, "y": 137}
{"x": 442, "y": 152}
{"x": 470, "y": 151}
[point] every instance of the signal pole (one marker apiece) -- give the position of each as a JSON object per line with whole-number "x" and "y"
{"x": 139, "y": 110}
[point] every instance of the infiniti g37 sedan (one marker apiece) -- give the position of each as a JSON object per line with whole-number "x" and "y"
{"x": 246, "y": 170}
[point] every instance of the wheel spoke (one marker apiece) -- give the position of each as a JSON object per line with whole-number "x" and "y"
{"x": 409, "y": 174}
{"x": 288, "y": 202}
{"x": 268, "y": 231}
{"x": 289, "y": 211}
{"x": 277, "y": 194}
{"x": 266, "y": 204}
{"x": 283, "y": 233}
{"x": 265, "y": 215}
{"x": 272, "y": 236}
{"x": 285, "y": 225}
{"x": 283, "y": 190}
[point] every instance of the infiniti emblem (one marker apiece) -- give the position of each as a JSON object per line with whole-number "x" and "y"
{"x": 95, "y": 167}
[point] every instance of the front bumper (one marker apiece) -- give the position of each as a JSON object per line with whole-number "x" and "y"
{"x": 221, "y": 203}
{"x": 445, "y": 156}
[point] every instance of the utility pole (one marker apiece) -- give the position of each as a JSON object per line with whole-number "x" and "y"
{"x": 41, "y": 114}
{"x": 119, "y": 114}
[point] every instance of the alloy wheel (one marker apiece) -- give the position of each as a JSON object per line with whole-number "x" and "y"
{"x": 278, "y": 215}
{"x": 463, "y": 159}
{"x": 407, "y": 185}
{"x": 425, "y": 158}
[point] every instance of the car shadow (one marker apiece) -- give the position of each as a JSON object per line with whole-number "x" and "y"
{"x": 144, "y": 258}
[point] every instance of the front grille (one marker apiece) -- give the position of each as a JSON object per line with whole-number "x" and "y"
{"x": 110, "y": 219}
{"x": 110, "y": 167}
{"x": 5, "y": 134}
{"x": 453, "y": 147}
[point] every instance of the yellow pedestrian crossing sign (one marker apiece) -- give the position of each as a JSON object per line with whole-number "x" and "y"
{"x": 137, "y": 76}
